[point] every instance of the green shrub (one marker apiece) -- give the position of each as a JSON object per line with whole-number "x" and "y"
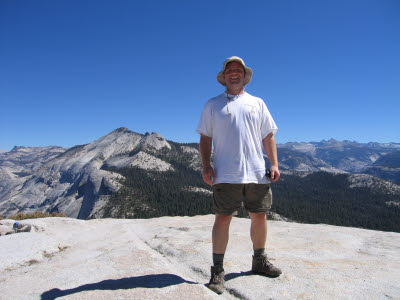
{"x": 35, "y": 215}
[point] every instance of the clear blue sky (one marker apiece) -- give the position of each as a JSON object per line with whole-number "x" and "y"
{"x": 72, "y": 71}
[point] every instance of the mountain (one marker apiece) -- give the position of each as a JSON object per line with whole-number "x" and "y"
{"x": 294, "y": 160}
{"x": 346, "y": 156}
{"x": 18, "y": 165}
{"x": 387, "y": 166}
{"x": 130, "y": 175}
{"x": 72, "y": 180}
{"x": 389, "y": 160}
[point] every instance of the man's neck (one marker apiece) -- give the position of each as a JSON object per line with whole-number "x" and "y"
{"x": 235, "y": 92}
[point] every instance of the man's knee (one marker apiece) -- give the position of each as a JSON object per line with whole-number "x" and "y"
{"x": 222, "y": 220}
{"x": 258, "y": 217}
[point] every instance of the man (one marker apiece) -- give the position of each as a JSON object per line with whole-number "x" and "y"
{"x": 240, "y": 126}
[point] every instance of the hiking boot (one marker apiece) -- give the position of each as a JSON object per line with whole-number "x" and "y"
{"x": 217, "y": 280}
{"x": 261, "y": 265}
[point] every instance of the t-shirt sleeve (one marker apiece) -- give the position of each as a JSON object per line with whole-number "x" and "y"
{"x": 205, "y": 124}
{"x": 268, "y": 124}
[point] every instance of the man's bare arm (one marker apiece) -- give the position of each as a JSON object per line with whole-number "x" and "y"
{"x": 205, "y": 152}
{"x": 270, "y": 148}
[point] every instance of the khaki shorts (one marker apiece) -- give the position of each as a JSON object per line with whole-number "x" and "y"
{"x": 228, "y": 197}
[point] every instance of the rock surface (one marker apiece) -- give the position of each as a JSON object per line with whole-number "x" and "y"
{"x": 170, "y": 257}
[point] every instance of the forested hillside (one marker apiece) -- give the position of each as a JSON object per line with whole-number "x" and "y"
{"x": 322, "y": 197}
{"x": 148, "y": 193}
{"x": 319, "y": 197}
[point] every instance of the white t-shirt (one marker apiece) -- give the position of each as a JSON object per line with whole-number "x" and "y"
{"x": 237, "y": 138}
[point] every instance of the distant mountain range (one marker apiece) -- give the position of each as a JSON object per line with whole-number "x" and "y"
{"x": 333, "y": 155}
{"x": 380, "y": 160}
{"x": 127, "y": 174}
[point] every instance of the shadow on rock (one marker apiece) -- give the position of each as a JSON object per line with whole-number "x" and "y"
{"x": 146, "y": 281}
{"x": 231, "y": 276}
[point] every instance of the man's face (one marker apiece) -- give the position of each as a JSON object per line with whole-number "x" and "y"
{"x": 234, "y": 76}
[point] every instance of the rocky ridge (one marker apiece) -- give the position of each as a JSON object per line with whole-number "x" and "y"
{"x": 73, "y": 180}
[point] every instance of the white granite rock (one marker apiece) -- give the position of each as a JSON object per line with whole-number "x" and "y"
{"x": 170, "y": 258}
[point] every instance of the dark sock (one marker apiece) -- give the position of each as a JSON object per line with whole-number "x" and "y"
{"x": 259, "y": 252}
{"x": 218, "y": 259}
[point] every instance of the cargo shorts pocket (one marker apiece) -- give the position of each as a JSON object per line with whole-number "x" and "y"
{"x": 258, "y": 198}
{"x": 227, "y": 198}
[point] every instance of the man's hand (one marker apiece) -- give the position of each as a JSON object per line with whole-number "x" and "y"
{"x": 275, "y": 174}
{"x": 270, "y": 148}
{"x": 208, "y": 175}
{"x": 205, "y": 152}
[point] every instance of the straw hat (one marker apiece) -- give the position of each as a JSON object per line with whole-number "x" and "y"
{"x": 248, "y": 71}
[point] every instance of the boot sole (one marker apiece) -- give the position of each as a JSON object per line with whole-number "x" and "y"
{"x": 265, "y": 274}
{"x": 217, "y": 291}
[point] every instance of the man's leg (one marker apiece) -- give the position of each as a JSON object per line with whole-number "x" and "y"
{"x": 227, "y": 198}
{"x": 258, "y": 200}
{"x": 258, "y": 233}
{"x": 258, "y": 230}
{"x": 220, "y": 233}
{"x": 220, "y": 237}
